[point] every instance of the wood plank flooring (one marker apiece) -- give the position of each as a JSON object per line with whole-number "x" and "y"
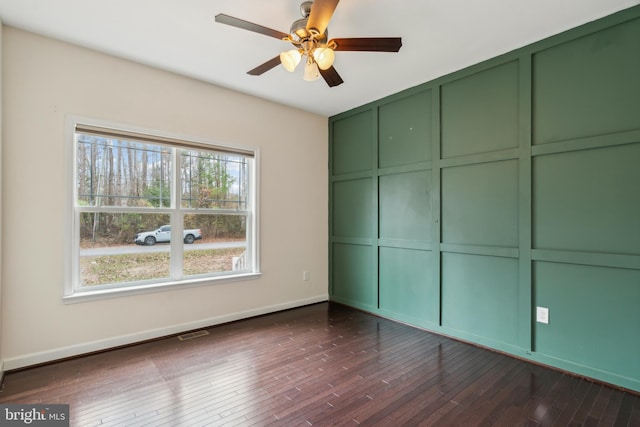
{"x": 324, "y": 365}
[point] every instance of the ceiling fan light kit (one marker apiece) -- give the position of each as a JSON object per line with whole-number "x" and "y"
{"x": 324, "y": 57}
{"x": 290, "y": 59}
{"x": 311, "y": 71}
{"x": 309, "y": 36}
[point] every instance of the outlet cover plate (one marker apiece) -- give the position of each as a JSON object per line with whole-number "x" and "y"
{"x": 542, "y": 315}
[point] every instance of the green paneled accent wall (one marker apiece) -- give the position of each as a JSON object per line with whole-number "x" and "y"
{"x": 464, "y": 203}
{"x": 480, "y": 204}
{"x": 405, "y": 130}
{"x": 597, "y": 220}
{"x": 352, "y": 216}
{"x": 406, "y": 287}
{"x": 478, "y": 296}
{"x": 352, "y": 136}
{"x": 576, "y": 301}
{"x": 405, "y": 206}
{"x": 570, "y": 99}
{"x": 351, "y": 274}
{"x": 480, "y": 112}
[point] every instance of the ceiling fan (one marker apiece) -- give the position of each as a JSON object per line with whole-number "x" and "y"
{"x": 309, "y": 36}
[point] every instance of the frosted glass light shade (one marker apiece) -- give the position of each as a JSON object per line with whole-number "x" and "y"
{"x": 324, "y": 57}
{"x": 290, "y": 60}
{"x": 311, "y": 72}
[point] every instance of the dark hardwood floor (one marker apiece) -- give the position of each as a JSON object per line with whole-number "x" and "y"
{"x": 324, "y": 364}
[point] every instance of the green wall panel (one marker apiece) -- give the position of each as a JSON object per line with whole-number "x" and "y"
{"x": 480, "y": 112}
{"x": 351, "y": 144}
{"x": 588, "y": 200}
{"x": 405, "y": 131}
{"x": 405, "y": 206}
{"x": 480, "y": 296}
{"x": 351, "y": 272}
{"x": 352, "y": 208}
{"x": 594, "y": 316}
{"x": 406, "y": 285}
{"x": 588, "y": 86}
{"x": 480, "y": 204}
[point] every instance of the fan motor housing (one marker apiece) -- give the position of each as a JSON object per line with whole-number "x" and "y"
{"x": 298, "y": 29}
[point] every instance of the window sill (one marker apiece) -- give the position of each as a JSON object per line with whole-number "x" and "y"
{"x": 85, "y": 296}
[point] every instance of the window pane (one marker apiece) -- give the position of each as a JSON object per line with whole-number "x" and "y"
{"x": 133, "y": 190}
{"x": 117, "y": 172}
{"x": 108, "y": 254}
{"x": 213, "y": 180}
{"x": 222, "y": 247}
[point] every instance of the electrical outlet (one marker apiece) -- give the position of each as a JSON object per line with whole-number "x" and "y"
{"x": 305, "y": 276}
{"x": 542, "y": 315}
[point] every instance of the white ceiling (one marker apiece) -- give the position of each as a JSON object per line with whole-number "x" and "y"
{"x": 439, "y": 37}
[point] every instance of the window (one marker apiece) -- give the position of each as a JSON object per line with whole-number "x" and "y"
{"x": 152, "y": 211}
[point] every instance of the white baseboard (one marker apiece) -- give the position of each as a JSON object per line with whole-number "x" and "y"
{"x": 1, "y": 372}
{"x": 93, "y": 346}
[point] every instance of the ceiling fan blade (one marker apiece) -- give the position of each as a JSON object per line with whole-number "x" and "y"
{"x": 331, "y": 76}
{"x": 246, "y": 25}
{"x": 263, "y": 68}
{"x": 320, "y": 15}
{"x": 368, "y": 44}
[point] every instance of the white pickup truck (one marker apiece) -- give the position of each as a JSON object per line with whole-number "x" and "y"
{"x": 163, "y": 234}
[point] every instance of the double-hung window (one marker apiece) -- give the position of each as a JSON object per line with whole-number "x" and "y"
{"x": 153, "y": 211}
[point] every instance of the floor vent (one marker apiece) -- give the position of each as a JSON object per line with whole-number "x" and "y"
{"x": 192, "y": 335}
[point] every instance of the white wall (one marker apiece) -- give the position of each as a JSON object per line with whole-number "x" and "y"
{"x": 44, "y": 81}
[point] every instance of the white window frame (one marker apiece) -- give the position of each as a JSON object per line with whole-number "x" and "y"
{"x": 74, "y": 293}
